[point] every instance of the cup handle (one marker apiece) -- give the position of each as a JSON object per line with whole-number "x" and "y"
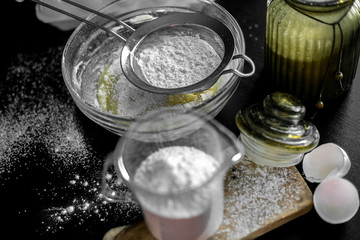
{"x": 113, "y": 189}
{"x": 238, "y": 72}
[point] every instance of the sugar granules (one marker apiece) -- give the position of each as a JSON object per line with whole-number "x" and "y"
{"x": 47, "y": 156}
{"x": 256, "y": 196}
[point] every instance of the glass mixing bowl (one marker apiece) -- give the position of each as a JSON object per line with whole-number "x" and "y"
{"x": 90, "y": 65}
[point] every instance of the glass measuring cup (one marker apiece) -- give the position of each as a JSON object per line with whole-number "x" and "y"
{"x": 193, "y": 212}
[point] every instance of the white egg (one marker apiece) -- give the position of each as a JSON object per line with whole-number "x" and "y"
{"x": 336, "y": 200}
{"x": 327, "y": 160}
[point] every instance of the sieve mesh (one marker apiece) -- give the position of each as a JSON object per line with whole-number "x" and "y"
{"x": 207, "y": 29}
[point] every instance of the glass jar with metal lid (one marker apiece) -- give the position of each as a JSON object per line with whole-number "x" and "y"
{"x": 312, "y": 47}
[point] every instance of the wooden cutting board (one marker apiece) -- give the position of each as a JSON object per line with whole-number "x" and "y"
{"x": 257, "y": 199}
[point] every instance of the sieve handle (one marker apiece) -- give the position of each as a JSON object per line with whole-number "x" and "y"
{"x": 110, "y": 18}
{"x": 238, "y": 72}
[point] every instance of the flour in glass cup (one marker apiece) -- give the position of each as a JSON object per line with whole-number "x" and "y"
{"x": 171, "y": 169}
{"x": 174, "y": 169}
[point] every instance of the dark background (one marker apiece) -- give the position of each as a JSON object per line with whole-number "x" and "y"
{"x": 34, "y": 189}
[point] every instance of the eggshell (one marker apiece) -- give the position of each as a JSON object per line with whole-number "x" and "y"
{"x": 327, "y": 160}
{"x": 336, "y": 200}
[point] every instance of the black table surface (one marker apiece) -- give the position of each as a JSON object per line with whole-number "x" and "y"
{"x": 51, "y": 155}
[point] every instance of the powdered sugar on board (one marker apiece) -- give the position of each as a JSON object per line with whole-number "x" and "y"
{"x": 260, "y": 198}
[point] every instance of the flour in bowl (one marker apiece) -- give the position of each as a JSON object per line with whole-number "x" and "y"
{"x": 173, "y": 58}
{"x": 101, "y": 83}
{"x": 116, "y": 95}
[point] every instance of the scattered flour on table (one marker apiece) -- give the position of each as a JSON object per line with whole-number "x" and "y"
{"x": 169, "y": 59}
{"x": 40, "y": 129}
{"x": 49, "y": 128}
{"x": 88, "y": 205}
{"x": 34, "y": 116}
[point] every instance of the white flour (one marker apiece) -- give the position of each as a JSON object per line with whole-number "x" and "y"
{"x": 113, "y": 93}
{"x": 126, "y": 99}
{"x": 175, "y": 168}
{"x": 46, "y": 152}
{"x": 171, "y": 59}
{"x": 103, "y": 85}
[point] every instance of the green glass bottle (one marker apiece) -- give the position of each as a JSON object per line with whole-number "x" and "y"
{"x": 312, "y": 47}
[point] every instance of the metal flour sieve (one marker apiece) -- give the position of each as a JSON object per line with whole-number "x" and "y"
{"x": 209, "y": 29}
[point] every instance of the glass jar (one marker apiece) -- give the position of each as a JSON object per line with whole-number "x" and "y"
{"x": 275, "y": 133}
{"x": 312, "y": 47}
